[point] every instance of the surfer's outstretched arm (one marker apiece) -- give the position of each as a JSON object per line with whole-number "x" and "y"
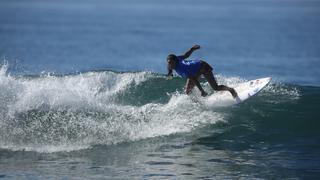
{"x": 188, "y": 53}
{"x": 196, "y": 82}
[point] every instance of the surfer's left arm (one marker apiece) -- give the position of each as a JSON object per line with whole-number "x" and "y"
{"x": 196, "y": 82}
{"x": 188, "y": 53}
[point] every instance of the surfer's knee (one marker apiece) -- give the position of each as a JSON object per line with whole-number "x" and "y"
{"x": 223, "y": 88}
{"x": 217, "y": 87}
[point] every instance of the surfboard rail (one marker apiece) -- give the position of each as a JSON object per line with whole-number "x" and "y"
{"x": 245, "y": 90}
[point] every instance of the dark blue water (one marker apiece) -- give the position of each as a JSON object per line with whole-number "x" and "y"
{"x": 82, "y": 95}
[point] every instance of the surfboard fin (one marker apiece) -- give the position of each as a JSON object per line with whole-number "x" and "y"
{"x": 238, "y": 100}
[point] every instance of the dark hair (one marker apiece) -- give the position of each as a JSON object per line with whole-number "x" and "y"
{"x": 172, "y": 57}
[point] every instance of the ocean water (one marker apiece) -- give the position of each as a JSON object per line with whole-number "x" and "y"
{"x": 83, "y": 93}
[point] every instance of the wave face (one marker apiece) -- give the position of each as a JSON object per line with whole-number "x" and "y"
{"x": 71, "y": 112}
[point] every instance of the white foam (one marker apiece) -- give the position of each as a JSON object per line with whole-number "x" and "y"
{"x": 282, "y": 92}
{"x": 46, "y": 148}
{"x": 79, "y": 91}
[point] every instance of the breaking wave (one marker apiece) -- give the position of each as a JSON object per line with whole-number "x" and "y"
{"x": 51, "y": 113}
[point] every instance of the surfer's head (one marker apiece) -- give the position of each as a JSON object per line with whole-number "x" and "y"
{"x": 172, "y": 61}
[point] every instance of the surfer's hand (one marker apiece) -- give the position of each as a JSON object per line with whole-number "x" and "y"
{"x": 195, "y": 47}
{"x": 203, "y": 94}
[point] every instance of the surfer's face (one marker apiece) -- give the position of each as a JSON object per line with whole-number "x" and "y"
{"x": 171, "y": 63}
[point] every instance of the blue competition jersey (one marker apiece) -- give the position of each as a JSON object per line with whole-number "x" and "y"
{"x": 186, "y": 68}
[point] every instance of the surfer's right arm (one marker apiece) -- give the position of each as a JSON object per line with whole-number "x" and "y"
{"x": 188, "y": 53}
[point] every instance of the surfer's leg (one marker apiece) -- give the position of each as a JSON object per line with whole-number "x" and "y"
{"x": 213, "y": 83}
{"x": 189, "y": 86}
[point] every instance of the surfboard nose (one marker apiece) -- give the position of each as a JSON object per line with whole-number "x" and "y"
{"x": 268, "y": 78}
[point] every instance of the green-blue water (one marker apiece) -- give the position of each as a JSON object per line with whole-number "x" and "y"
{"x": 83, "y": 95}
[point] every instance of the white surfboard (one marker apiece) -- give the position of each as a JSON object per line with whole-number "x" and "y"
{"x": 245, "y": 90}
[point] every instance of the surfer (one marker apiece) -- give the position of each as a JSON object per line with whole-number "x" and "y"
{"x": 192, "y": 70}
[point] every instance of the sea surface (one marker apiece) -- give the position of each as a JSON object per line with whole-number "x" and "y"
{"x": 83, "y": 91}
